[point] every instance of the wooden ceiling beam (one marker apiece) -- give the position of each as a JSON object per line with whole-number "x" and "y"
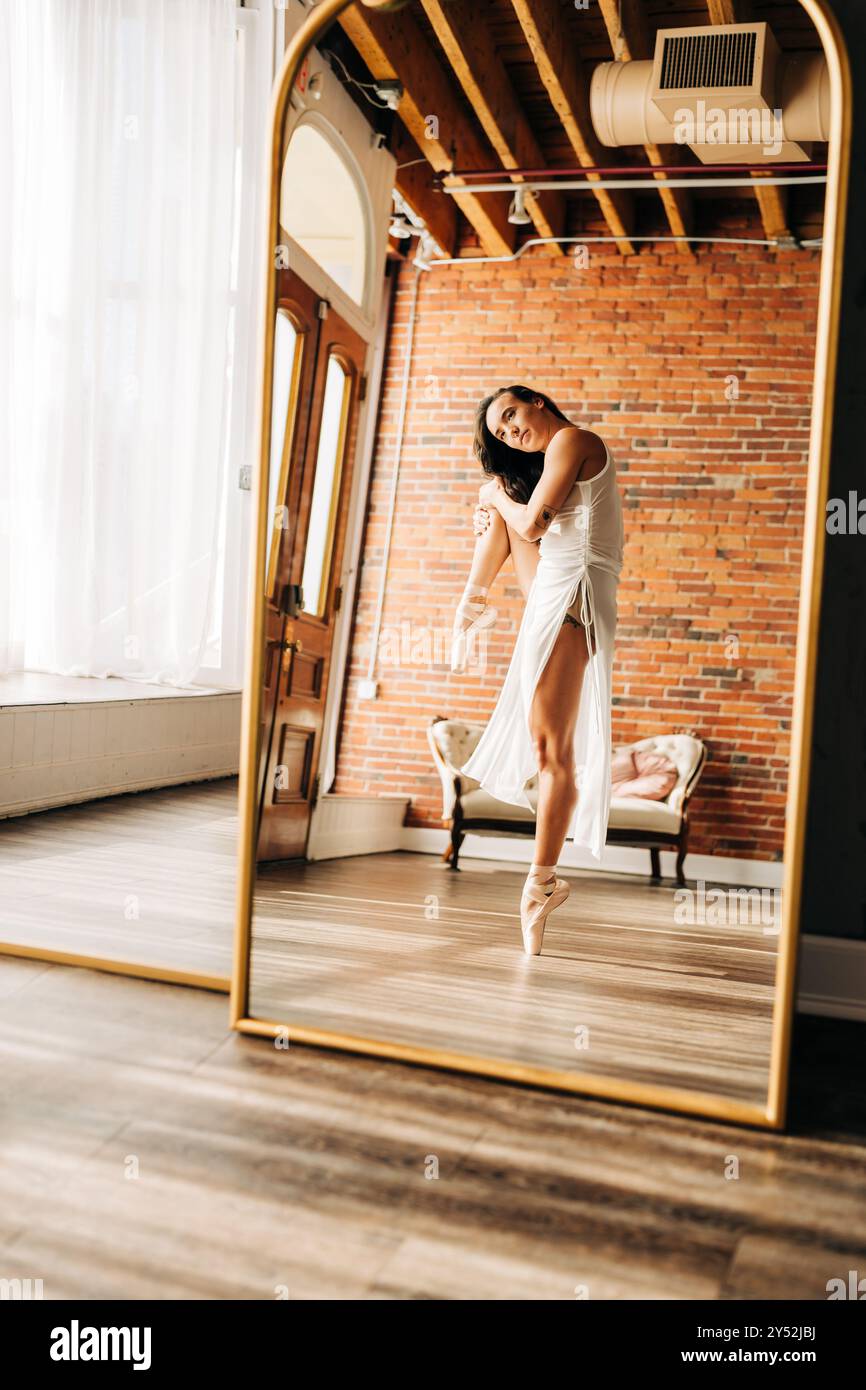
{"x": 631, "y": 42}
{"x": 561, "y": 70}
{"x": 463, "y": 31}
{"x": 393, "y": 45}
{"x": 729, "y": 11}
{"x": 772, "y": 202}
{"x": 413, "y": 183}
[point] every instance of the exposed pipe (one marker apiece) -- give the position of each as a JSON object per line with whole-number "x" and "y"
{"x": 398, "y": 455}
{"x": 814, "y": 244}
{"x": 648, "y": 170}
{"x": 542, "y": 186}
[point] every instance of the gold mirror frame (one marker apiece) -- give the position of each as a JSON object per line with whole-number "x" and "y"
{"x": 707, "y": 1105}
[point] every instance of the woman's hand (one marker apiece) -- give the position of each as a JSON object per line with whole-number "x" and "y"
{"x": 487, "y": 495}
{"x": 480, "y": 520}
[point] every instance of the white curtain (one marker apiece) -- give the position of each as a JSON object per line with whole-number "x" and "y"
{"x": 117, "y": 168}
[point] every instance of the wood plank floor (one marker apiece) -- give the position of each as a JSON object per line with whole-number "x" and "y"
{"x": 148, "y": 877}
{"x": 397, "y": 947}
{"x": 147, "y": 1152}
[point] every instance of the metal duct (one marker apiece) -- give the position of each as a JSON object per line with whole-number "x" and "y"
{"x": 726, "y": 91}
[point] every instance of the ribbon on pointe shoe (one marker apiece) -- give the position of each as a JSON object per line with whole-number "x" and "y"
{"x": 537, "y": 901}
{"x": 472, "y": 615}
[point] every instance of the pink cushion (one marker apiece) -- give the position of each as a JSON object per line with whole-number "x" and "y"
{"x": 642, "y": 773}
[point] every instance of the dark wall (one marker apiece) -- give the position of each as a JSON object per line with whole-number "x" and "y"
{"x": 834, "y": 882}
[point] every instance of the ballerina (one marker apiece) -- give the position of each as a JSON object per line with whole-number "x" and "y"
{"x": 552, "y": 503}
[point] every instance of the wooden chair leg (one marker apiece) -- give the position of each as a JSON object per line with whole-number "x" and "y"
{"x": 457, "y": 836}
{"x": 682, "y": 844}
{"x": 456, "y": 841}
{"x": 655, "y": 862}
{"x": 447, "y": 852}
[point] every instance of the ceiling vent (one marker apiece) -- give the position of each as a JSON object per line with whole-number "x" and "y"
{"x": 708, "y": 58}
{"x": 728, "y": 91}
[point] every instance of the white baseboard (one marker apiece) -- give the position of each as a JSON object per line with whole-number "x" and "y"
{"x": 617, "y": 859}
{"x": 832, "y": 977}
{"x": 345, "y": 825}
{"x": 59, "y": 754}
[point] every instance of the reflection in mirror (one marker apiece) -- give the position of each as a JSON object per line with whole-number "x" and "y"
{"x": 326, "y": 484}
{"x": 287, "y": 369}
{"x": 321, "y": 210}
{"x": 663, "y": 351}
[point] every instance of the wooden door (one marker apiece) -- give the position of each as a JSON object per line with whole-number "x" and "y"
{"x": 306, "y": 596}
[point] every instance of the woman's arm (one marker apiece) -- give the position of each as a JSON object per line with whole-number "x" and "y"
{"x": 568, "y": 453}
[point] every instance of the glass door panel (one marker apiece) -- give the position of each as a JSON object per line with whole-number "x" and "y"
{"x": 288, "y": 350}
{"x": 326, "y": 488}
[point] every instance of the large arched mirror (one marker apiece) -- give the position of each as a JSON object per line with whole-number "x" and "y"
{"x": 682, "y": 975}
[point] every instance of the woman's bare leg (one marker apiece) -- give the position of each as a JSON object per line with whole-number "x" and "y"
{"x": 525, "y": 556}
{"x": 490, "y": 554}
{"x": 492, "y": 549}
{"x": 552, "y": 720}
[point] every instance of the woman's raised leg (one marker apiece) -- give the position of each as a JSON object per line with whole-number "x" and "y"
{"x": 491, "y": 552}
{"x": 473, "y": 611}
{"x": 492, "y": 549}
{"x": 525, "y": 555}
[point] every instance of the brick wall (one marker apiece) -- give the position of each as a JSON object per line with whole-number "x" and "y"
{"x": 641, "y": 350}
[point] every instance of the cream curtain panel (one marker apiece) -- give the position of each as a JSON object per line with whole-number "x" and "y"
{"x": 117, "y": 170}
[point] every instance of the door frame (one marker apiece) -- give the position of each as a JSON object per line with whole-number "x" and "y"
{"x": 334, "y": 340}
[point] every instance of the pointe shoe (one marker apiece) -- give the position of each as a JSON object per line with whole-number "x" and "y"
{"x": 536, "y": 906}
{"x": 481, "y": 616}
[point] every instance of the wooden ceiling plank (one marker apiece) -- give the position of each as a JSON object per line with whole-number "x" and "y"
{"x": 772, "y": 202}
{"x": 559, "y": 65}
{"x": 462, "y": 30}
{"x": 631, "y": 42}
{"x": 414, "y": 186}
{"x": 393, "y": 45}
{"x": 773, "y": 205}
{"x": 729, "y": 12}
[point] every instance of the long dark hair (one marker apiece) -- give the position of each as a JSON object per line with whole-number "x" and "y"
{"x": 519, "y": 471}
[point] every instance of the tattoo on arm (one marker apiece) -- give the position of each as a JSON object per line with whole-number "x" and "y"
{"x": 545, "y": 517}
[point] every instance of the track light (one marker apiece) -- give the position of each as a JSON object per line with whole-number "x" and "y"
{"x": 426, "y": 248}
{"x": 517, "y": 213}
{"x": 399, "y": 227}
{"x": 389, "y": 90}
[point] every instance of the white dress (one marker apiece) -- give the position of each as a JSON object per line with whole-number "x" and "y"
{"x": 580, "y": 559}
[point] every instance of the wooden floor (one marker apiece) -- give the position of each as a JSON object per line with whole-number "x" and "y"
{"x": 147, "y": 1152}
{"x": 398, "y": 947}
{"x": 147, "y": 878}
